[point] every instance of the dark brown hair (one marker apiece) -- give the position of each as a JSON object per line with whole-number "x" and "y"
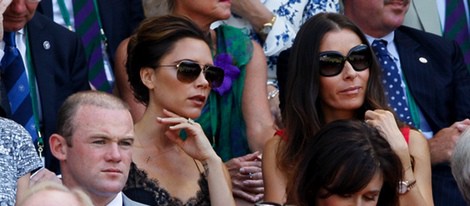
{"x": 342, "y": 159}
{"x": 156, "y": 37}
{"x": 302, "y": 114}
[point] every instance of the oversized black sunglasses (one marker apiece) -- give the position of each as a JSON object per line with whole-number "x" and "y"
{"x": 332, "y": 62}
{"x": 188, "y": 71}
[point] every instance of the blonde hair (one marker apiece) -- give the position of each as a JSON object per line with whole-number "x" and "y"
{"x": 157, "y": 7}
{"x": 48, "y": 186}
{"x": 460, "y": 164}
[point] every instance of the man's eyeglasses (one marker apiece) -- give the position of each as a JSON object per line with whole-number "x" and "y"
{"x": 332, "y": 62}
{"x": 188, "y": 71}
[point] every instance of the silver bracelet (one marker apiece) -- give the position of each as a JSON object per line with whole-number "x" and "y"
{"x": 273, "y": 94}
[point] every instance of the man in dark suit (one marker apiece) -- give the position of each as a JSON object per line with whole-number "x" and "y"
{"x": 435, "y": 76}
{"x": 119, "y": 18}
{"x": 56, "y": 58}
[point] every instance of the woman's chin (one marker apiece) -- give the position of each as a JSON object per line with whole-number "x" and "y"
{"x": 194, "y": 114}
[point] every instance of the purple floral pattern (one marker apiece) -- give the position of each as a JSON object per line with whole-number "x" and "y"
{"x": 231, "y": 72}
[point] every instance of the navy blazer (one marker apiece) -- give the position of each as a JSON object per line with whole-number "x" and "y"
{"x": 58, "y": 59}
{"x": 441, "y": 88}
{"x": 441, "y": 85}
{"x": 119, "y": 18}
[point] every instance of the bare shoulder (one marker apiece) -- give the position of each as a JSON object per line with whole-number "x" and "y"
{"x": 417, "y": 137}
{"x": 271, "y": 148}
{"x": 123, "y": 44}
{"x": 418, "y": 143}
{"x": 273, "y": 143}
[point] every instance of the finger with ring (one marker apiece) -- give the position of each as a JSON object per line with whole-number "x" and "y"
{"x": 251, "y": 175}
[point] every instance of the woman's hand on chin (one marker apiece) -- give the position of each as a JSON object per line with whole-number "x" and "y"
{"x": 195, "y": 144}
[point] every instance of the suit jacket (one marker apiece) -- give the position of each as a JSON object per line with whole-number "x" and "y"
{"x": 119, "y": 18}
{"x": 423, "y": 15}
{"x": 58, "y": 59}
{"x": 440, "y": 86}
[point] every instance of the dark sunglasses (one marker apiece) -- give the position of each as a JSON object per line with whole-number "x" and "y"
{"x": 332, "y": 62}
{"x": 188, "y": 71}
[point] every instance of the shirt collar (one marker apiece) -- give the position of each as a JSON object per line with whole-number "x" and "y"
{"x": 117, "y": 201}
{"x": 21, "y": 31}
{"x": 389, "y": 38}
{"x": 391, "y": 47}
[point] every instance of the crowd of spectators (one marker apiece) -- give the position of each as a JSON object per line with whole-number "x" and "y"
{"x": 234, "y": 102}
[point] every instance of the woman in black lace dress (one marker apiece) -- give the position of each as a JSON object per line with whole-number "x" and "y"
{"x": 171, "y": 71}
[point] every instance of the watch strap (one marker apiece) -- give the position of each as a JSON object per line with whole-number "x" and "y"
{"x": 409, "y": 185}
{"x": 268, "y": 26}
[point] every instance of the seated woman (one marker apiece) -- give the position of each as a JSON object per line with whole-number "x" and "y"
{"x": 171, "y": 71}
{"x": 236, "y": 117}
{"x": 347, "y": 162}
{"x": 17, "y": 159}
{"x": 334, "y": 75}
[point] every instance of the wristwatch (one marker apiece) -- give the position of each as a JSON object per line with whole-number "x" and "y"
{"x": 405, "y": 186}
{"x": 267, "y": 27}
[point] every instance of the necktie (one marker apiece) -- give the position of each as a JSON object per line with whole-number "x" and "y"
{"x": 456, "y": 27}
{"x": 17, "y": 86}
{"x": 394, "y": 87}
{"x": 88, "y": 28}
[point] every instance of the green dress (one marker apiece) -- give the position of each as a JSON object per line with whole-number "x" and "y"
{"x": 222, "y": 117}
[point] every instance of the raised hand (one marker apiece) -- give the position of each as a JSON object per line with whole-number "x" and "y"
{"x": 385, "y": 122}
{"x": 3, "y": 7}
{"x": 443, "y": 142}
{"x": 196, "y": 144}
{"x": 247, "y": 178}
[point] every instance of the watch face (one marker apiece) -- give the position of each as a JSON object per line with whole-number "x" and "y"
{"x": 402, "y": 187}
{"x": 266, "y": 30}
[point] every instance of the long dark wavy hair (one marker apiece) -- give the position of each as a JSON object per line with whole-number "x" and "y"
{"x": 302, "y": 114}
{"x": 341, "y": 159}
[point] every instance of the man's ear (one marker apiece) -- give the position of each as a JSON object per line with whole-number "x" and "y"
{"x": 58, "y": 146}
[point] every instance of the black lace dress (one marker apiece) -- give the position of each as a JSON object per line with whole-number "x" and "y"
{"x": 141, "y": 188}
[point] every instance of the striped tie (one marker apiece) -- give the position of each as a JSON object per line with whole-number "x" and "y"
{"x": 17, "y": 86}
{"x": 456, "y": 27}
{"x": 86, "y": 26}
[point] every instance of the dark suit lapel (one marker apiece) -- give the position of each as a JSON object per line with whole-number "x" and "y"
{"x": 415, "y": 65}
{"x": 106, "y": 14}
{"x": 45, "y": 7}
{"x": 40, "y": 45}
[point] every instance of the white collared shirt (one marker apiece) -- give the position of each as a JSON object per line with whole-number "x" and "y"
{"x": 20, "y": 40}
{"x": 117, "y": 201}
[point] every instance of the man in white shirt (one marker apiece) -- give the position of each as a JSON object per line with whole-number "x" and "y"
{"x": 94, "y": 145}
